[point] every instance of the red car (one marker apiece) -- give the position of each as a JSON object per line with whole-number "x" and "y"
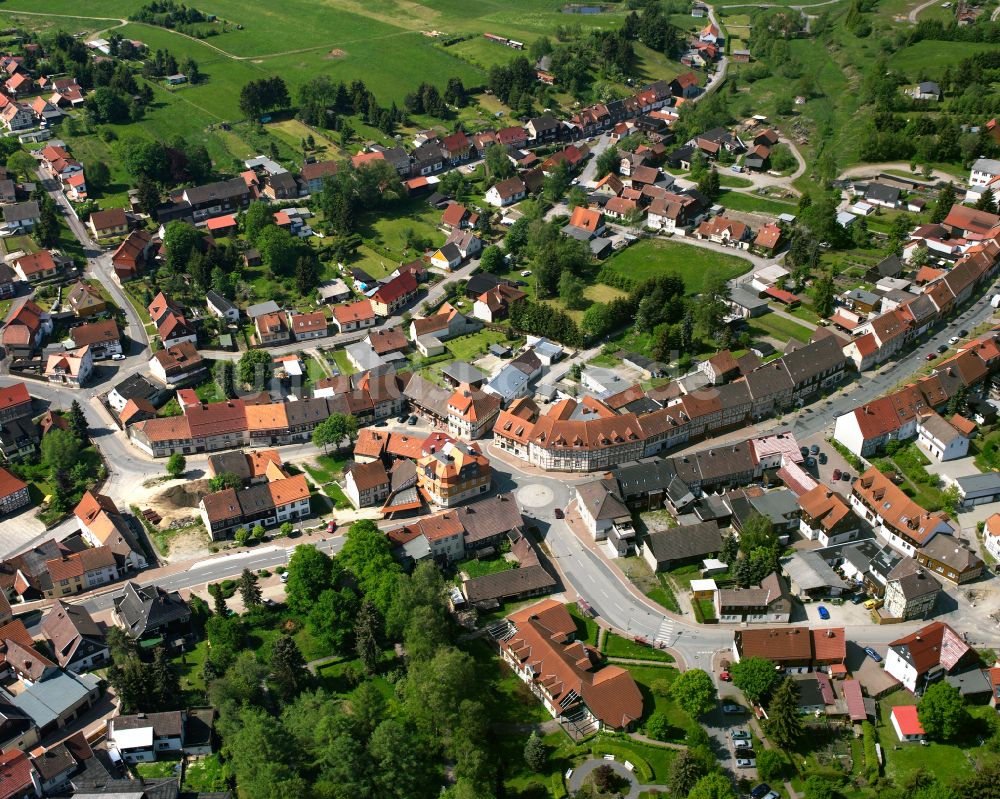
{"x": 930, "y": 356}
{"x": 725, "y": 677}
{"x": 331, "y": 527}
{"x": 836, "y": 474}
{"x": 559, "y": 513}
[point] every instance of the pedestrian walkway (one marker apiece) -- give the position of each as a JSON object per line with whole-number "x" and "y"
{"x": 665, "y": 634}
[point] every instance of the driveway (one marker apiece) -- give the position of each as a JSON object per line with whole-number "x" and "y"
{"x": 584, "y": 770}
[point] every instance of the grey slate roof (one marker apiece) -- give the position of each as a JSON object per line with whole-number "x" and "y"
{"x": 144, "y": 608}
{"x": 682, "y": 543}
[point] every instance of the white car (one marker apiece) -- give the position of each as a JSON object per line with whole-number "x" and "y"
{"x": 743, "y": 762}
{"x": 742, "y": 743}
{"x": 525, "y": 273}
{"x": 117, "y": 357}
{"x": 954, "y": 340}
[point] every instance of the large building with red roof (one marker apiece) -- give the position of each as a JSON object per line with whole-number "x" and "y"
{"x": 567, "y": 676}
{"x": 927, "y": 655}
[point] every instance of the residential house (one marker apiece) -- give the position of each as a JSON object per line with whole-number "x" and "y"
{"x": 926, "y": 90}
{"x": 453, "y": 473}
{"x": 605, "y": 515}
{"x": 36, "y": 266}
{"x": 505, "y": 192}
{"x": 177, "y": 365}
{"x": 911, "y": 594}
{"x": 108, "y": 224}
{"x": 906, "y": 723}
{"x": 313, "y": 175}
{"x": 366, "y": 484}
{"x": 81, "y": 571}
{"x": 197, "y": 203}
{"x": 77, "y": 641}
{"x": 85, "y": 299}
{"x": 13, "y": 493}
{"x": 927, "y": 655}
{"x": 883, "y": 195}
{"x": 144, "y": 737}
{"x": 72, "y": 369}
{"x": 950, "y": 558}
{"x": 133, "y": 255}
{"x": 272, "y": 328}
{"x": 354, "y": 316}
{"x": 471, "y": 413}
{"x": 306, "y": 326}
{"x": 220, "y": 307}
{"x": 150, "y": 613}
{"x": 494, "y": 305}
{"x": 768, "y": 603}
{"x": 896, "y": 518}
{"x": 21, "y": 216}
{"x": 394, "y": 295}
{"x": 725, "y": 231}
{"x": 793, "y": 649}
{"x": 826, "y": 517}
{"x": 101, "y": 525}
{"x": 940, "y": 439}
{"x": 274, "y": 503}
{"x": 676, "y": 546}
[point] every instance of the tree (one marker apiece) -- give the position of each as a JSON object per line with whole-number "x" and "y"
{"x": 713, "y": 304}
{"x": 709, "y": 184}
{"x": 571, "y": 290}
{"x": 288, "y": 667}
{"x": 148, "y": 195}
{"x": 755, "y": 676}
{"x": 258, "y": 532}
{"x": 817, "y": 786}
{"x": 824, "y": 292}
{"x": 491, "y": 260}
{"x": 98, "y": 175}
{"x": 77, "y": 421}
{"x": 249, "y": 589}
{"x": 730, "y": 549}
{"x": 945, "y": 200}
{"x": 165, "y": 683}
{"x": 335, "y": 429}
{"x": 942, "y": 711}
{"x": 658, "y": 726}
{"x": 367, "y": 555}
{"x": 219, "y": 600}
{"x": 535, "y": 753}
{"x": 46, "y": 232}
{"x": 366, "y": 637}
{"x": 254, "y": 368}
{"x": 685, "y": 771}
{"x": 307, "y": 273}
{"x": 310, "y": 573}
{"x": 712, "y": 786}
{"x": 694, "y": 691}
{"x": 225, "y": 480}
{"x": 608, "y": 162}
{"x": 225, "y": 378}
{"x": 332, "y": 618}
{"x": 176, "y": 464}
{"x": 22, "y": 165}
{"x": 180, "y": 240}
{"x": 757, "y": 532}
{"x": 498, "y": 165}
{"x": 241, "y": 536}
{"x": 257, "y": 217}
{"x": 60, "y": 450}
{"x": 784, "y": 722}
{"x": 770, "y": 764}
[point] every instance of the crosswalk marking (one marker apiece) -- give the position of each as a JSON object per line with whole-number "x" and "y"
{"x": 665, "y": 631}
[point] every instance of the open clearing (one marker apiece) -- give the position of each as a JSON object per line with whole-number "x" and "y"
{"x": 652, "y": 257}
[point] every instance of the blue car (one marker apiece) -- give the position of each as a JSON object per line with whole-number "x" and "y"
{"x": 824, "y": 613}
{"x": 873, "y": 654}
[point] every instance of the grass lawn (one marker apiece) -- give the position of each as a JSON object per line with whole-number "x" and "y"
{"x": 586, "y": 627}
{"x": 651, "y": 257}
{"x": 478, "y": 568}
{"x": 728, "y": 181}
{"x": 326, "y": 468}
{"x": 314, "y": 370}
{"x": 157, "y": 769}
{"x": 617, "y": 647}
{"x": 190, "y": 665}
{"x": 475, "y": 345}
{"x": 751, "y": 203}
{"x": 343, "y": 362}
{"x": 645, "y": 677}
{"x": 779, "y": 327}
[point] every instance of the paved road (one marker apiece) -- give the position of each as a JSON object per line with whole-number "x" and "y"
{"x": 872, "y": 170}
{"x": 915, "y": 12}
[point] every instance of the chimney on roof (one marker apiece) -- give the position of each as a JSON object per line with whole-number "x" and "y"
{"x": 829, "y": 634}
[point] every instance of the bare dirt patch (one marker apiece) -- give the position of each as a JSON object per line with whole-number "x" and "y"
{"x": 336, "y": 52}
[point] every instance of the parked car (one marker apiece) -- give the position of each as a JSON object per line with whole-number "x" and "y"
{"x": 872, "y": 604}
{"x": 846, "y": 477}
{"x": 857, "y": 599}
{"x": 824, "y": 613}
{"x": 742, "y": 743}
{"x": 963, "y": 333}
{"x": 745, "y": 762}
{"x": 284, "y": 577}
{"x": 804, "y": 451}
{"x": 823, "y": 459}
{"x": 814, "y": 449}
{"x": 732, "y": 708}
{"x": 331, "y": 527}
{"x": 413, "y": 420}
{"x": 873, "y": 654}
{"x": 771, "y": 795}
{"x": 943, "y": 348}
{"x": 930, "y": 356}
{"x": 759, "y": 791}
{"x": 836, "y": 474}
{"x": 954, "y": 340}
{"x": 117, "y": 357}
{"x": 559, "y": 513}
{"x": 739, "y": 735}
{"x": 725, "y": 676}
{"x": 810, "y": 462}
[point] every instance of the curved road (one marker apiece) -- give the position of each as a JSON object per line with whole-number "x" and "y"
{"x": 871, "y": 170}
{"x": 915, "y": 12}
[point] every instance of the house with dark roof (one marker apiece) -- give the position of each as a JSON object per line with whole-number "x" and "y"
{"x": 605, "y": 515}
{"x": 77, "y": 641}
{"x": 153, "y": 617}
{"x": 676, "y": 546}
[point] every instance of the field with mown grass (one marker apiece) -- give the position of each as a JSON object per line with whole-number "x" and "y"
{"x": 653, "y": 257}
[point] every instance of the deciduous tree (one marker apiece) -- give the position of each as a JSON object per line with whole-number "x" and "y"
{"x": 942, "y": 711}
{"x": 755, "y": 676}
{"x": 176, "y": 464}
{"x": 694, "y": 691}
